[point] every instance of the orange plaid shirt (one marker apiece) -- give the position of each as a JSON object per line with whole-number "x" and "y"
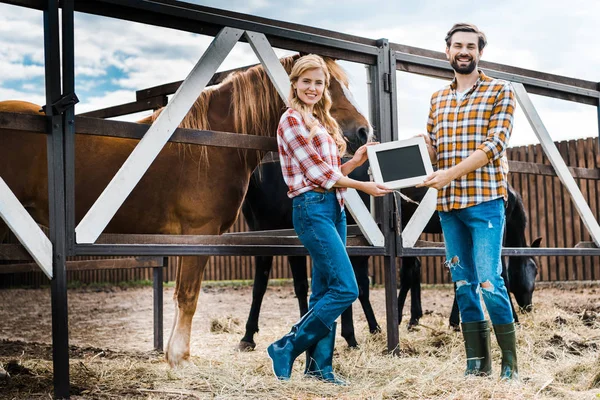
{"x": 483, "y": 120}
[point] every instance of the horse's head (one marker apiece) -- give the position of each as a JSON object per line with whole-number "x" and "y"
{"x": 354, "y": 124}
{"x": 521, "y": 274}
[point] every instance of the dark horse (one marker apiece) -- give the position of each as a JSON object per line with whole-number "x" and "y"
{"x": 519, "y": 273}
{"x": 267, "y": 207}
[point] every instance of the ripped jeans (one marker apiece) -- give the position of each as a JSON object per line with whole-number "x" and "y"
{"x": 473, "y": 238}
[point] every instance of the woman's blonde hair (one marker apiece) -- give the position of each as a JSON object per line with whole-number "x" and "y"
{"x": 321, "y": 109}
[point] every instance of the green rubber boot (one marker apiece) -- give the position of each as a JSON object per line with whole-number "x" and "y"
{"x": 507, "y": 340}
{"x": 477, "y": 347}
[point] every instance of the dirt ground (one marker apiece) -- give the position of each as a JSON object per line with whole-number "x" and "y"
{"x": 111, "y": 355}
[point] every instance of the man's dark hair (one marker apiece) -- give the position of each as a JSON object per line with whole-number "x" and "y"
{"x": 464, "y": 27}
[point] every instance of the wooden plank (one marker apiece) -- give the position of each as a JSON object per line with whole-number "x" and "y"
{"x": 136, "y": 165}
{"x": 542, "y": 214}
{"x": 15, "y": 122}
{"x": 525, "y": 188}
{"x": 440, "y": 68}
{"x": 14, "y": 252}
{"x": 541, "y": 169}
{"x": 583, "y": 263}
{"x": 275, "y": 71}
{"x": 533, "y": 199}
{"x": 418, "y": 221}
{"x": 593, "y": 201}
{"x": 590, "y": 85}
{"x": 151, "y": 103}
{"x": 573, "y": 231}
{"x": 211, "y": 240}
{"x": 564, "y": 216}
{"x": 25, "y": 229}
{"x": 170, "y": 88}
{"x": 557, "y": 225}
{"x": 104, "y": 266}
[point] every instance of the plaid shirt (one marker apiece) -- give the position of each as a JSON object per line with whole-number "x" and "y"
{"x": 483, "y": 120}
{"x": 307, "y": 164}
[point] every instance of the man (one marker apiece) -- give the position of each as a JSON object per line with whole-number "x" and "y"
{"x": 469, "y": 125}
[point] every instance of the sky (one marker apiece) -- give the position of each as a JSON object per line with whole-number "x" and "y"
{"x": 115, "y": 58}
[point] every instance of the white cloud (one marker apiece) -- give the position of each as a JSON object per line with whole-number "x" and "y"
{"x": 14, "y": 70}
{"x": 11, "y": 94}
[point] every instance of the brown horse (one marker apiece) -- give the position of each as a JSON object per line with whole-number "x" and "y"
{"x": 188, "y": 189}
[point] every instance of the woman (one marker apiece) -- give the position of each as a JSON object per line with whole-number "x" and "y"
{"x": 310, "y": 144}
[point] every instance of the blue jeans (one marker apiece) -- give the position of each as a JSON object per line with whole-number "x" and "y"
{"x": 473, "y": 238}
{"x": 321, "y": 226}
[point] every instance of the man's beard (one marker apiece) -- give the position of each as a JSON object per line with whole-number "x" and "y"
{"x": 466, "y": 70}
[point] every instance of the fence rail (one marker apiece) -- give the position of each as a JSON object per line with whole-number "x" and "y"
{"x": 531, "y": 175}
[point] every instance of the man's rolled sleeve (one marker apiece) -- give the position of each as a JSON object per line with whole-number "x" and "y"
{"x": 430, "y": 126}
{"x": 304, "y": 154}
{"x": 501, "y": 123}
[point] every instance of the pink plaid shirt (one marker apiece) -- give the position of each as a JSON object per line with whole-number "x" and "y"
{"x": 305, "y": 164}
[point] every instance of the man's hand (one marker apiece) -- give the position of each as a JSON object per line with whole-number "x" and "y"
{"x": 438, "y": 179}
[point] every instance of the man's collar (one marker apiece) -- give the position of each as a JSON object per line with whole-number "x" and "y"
{"x": 481, "y": 78}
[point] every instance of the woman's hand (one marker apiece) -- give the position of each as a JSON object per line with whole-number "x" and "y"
{"x": 375, "y": 189}
{"x": 360, "y": 156}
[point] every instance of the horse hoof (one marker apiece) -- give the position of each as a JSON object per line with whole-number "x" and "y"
{"x": 352, "y": 343}
{"x": 177, "y": 359}
{"x": 375, "y": 330}
{"x": 246, "y": 346}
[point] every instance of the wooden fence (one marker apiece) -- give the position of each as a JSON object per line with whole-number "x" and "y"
{"x": 551, "y": 213}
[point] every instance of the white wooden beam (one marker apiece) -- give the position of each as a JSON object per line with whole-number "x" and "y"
{"x": 268, "y": 58}
{"x": 363, "y": 218}
{"x": 111, "y": 199}
{"x": 420, "y": 218}
{"x": 25, "y": 228}
{"x": 558, "y": 163}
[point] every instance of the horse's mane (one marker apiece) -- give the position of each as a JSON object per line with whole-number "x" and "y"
{"x": 255, "y": 107}
{"x": 252, "y": 108}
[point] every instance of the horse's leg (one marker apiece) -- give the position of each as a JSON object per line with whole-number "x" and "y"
{"x": 348, "y": 320}
{"x": 187, "y": 289}
{"x": 298, "y": 267}
{"x": 361, "y": 270}
{"x": 416, "y": 309}
{"x": 407, "y": 264}
{"x": 507, "y": 284}
{"x": 455, "y": 313}
{"x": 261, "y": 280}
{"x": 348, "y": 327}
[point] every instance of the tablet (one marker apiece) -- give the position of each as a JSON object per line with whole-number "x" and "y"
{"x": 400, "y": 164}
